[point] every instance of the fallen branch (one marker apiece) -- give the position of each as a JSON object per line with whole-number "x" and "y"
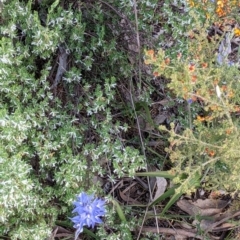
{"x": 172, "y": 231}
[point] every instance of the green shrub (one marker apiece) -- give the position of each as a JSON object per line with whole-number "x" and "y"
{"x": 57, "y": 133}
{"x": 61, "y": 67}
{"x": 208, "y": 144}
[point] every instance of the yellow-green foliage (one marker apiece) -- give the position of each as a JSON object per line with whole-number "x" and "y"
{"x": 209, "y": 144}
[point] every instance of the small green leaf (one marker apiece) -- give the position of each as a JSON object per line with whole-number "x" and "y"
{"x": 90, "y": 233}
{"x": 121, "y": 216}
{"x": 144, "y": 105}
{"x": 173, "y": 199}
{"x": 167, "y": 194}
{"x": 119, "y": 211}
{"x": 164, "y": 174}
{"x": 53, "y": 6}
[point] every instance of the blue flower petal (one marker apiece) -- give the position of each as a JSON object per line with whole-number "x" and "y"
{"x": 88, "y": 212}
{"x": 79, "y": 230}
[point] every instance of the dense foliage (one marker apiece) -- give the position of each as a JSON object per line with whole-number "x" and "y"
{"x": 59, "y": 67}
{"x": 73, "y": 80}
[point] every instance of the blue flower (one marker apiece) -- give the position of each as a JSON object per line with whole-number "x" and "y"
{"x": 88, "y": 212}
{"x": 190, "y": 101}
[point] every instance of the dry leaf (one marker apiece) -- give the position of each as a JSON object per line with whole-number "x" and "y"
{"x": 175, "y": 232}
{"x": 179, "y": 237}
{"x": 207, "y": 207}
{"x": 210, "y": 203}
{"x": 161, "y": 187}
{"x": 128, "y": 199}
{"x": 210, "y": 208}
{"x": 160, "y": 118}
{"x": 133, "y": 47}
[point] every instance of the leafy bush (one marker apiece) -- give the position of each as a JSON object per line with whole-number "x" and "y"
{"x": 59, "y": 69}
{"x": 207, "y": 147}
{"x": 62, "y": 67}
